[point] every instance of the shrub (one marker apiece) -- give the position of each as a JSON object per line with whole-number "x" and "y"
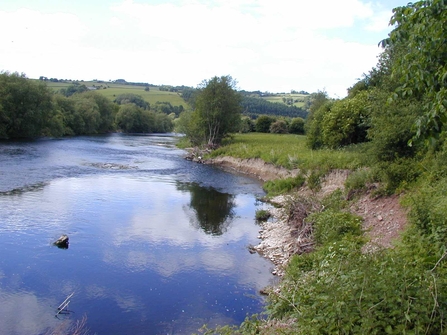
{"x": 297, "y": 126}
{"x": 278, "y": 127}
{"x": 262, "y": 124}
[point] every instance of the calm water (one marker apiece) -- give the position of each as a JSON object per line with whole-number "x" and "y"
{"x": 158, "y": 244}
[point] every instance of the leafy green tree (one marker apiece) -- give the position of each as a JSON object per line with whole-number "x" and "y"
{"x": 26, "y": 108}
{"x": 391, "y": 127}
{"x": 313, "y": 127}
{"x": 263, "y": 123}
{"x": 247, "y": 125}
{"x": 88, "y": 111}
{"x": 422, "y": 70}
{"x": 73, "y": 89}
{"x": 279, "y": 127}
{"x": 256, "y": 106}
{"x": 346, "y": 122}
{"x": 186, "y": 124}
{"x": 107, "y": 111}
{"x": 162, "y": 123}
{"x": 71, "y": 118}
{"x": 218, "y": 109}
{"x": 297, "y": 126}
{"x": 133, "y": 119}
{"x": 130, "y": 98}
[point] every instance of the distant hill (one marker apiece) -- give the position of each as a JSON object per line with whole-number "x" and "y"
{"x": 254, "y": 103}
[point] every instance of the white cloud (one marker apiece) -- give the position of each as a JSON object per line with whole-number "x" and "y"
{"x": 265, "y": 45}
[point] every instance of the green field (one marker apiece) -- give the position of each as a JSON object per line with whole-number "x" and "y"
{"x": 289, "y": 151}
{"x": 112, "y": 90}
{"x": 299, "y": 100}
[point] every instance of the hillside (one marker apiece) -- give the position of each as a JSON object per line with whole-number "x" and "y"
{"x": 112, "y": 90}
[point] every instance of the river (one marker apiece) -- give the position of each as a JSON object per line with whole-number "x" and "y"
{"x": 158, "y": 244}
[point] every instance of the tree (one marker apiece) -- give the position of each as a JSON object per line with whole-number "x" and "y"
{"x": 218, "y": 109}
{"x": 133, "y": 119}
{"x": 26, "y": 108}
{"x": 422, "y": 70}
{"x": 297, "y": 126}
{"x": 263, "y": 123}
{"x": 346, "y": 122}
{"x": 279, "y": 127}
{"x": 130, "y": 98}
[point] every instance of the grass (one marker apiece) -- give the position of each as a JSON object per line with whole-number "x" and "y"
{"x": 112, "y": 90}
{"x": 289, "y": 151}
{"x": 279, "y": 98}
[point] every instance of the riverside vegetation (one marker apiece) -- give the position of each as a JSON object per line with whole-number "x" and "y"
{"x": 340, "y": 287}
{"x": 390, "y": 133}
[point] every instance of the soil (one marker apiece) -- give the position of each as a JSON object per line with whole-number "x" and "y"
{"x": 287, "y": 233}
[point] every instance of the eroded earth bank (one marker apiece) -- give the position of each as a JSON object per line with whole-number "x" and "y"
{"x": 287, "y": 233}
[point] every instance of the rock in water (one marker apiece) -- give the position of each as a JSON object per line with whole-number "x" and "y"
{"x": 62, "y": 242}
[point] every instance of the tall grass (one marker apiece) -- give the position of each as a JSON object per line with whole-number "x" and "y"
{"x": 289, "y": 151}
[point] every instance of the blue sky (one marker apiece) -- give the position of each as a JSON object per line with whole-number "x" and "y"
{"x": 265, "y": 45}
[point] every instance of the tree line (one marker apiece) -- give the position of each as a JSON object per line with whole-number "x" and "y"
{"x": 30, "y": 109}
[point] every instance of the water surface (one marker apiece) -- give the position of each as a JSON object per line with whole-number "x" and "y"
{"x": 158, "y": 244}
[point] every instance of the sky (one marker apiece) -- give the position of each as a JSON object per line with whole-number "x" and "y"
{"x": 266, "y": 45}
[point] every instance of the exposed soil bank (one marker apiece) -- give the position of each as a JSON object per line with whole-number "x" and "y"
{"x": 286, "y": 234}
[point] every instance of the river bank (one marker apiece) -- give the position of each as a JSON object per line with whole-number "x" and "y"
{"x": 287, "y": 233}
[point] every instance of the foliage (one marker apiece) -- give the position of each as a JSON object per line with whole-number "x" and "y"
{"x": 297, "y": 126}
{"x": 187, "y": 124}
{"x": 130, "y": 98}
{"x": 26, "y": 108}
{"x": 255, "y": 107}
{"x": 339, "y": 123}
{"x": 346, "y": 122}
{"x": 133, "y": 119}
{"x": 247, "y": 125}
{"x": 167, "y": 108}
{"x": 422, "y": 70}
{"x": 73, "y": 89}
{"x": 391, "y": 127}
{"x": 106, "y": 111}
{"x": 314, "y": 124}
{"x": 263, "y": 123}
{"x": 217, "y": 111}
{"x": 279, "y": 127}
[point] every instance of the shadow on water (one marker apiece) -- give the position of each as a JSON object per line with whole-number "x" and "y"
{"x": 211, "y": 210}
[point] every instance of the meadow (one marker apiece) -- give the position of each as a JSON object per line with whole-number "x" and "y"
{"x": 289, "y": 151}
{"x": 299, "y": 99}
{"x": 112, "y": 90}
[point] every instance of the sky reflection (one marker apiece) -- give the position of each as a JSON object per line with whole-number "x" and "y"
{"x": 145, "y": 249}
